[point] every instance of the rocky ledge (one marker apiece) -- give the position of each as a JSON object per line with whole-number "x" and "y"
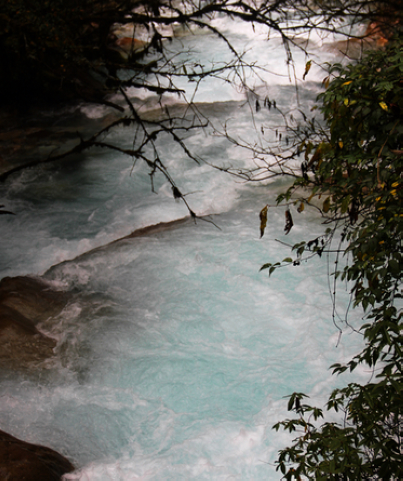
{"x": 25, "y": 302}
{"x": 29, "y": 462}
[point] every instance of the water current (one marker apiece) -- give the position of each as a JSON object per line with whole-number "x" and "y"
{"x": 175, "y": 354}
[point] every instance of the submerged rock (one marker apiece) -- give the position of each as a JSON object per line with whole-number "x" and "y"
{"x": 24, "y": 303}
{"x": 21, "y": 344}
{"x": 32, "y": 297}
{"x": 20, "y": 460}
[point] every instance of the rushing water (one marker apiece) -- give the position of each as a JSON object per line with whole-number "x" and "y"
{"x": 175, "y": 353}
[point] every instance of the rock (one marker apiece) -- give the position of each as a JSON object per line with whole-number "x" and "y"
{"x": 21, "y": 344}
{"x": 25, "y": 302}
{"x": 32, "y": 297}
{"x": 126, "y": 46}
{"x": 22, "y": 144}
{"x": 130, "y": 44}
{"x": 22, "y": 461}
{"x": 141, "y": 232}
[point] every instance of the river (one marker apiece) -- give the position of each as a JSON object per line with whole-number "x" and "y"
{"x": 175, "y": 353}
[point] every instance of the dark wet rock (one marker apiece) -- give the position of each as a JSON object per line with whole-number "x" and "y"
{"x": 22, "y": 461}
{"x": 21, "y": 344}
{"x": 24, "y": 303}
{"x": 34, "y": 137}
{"x": 20, "y": 145}
{"x": 32, "y": 297}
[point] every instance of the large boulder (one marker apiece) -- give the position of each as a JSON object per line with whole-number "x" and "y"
{"x": 22, "y": 461}
{"x": 24, "y": 303}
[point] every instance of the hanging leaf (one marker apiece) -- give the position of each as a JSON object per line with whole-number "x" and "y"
{"x": 311, "y": 197}
{"x": 265, "y": 266}
{"x": 353, "y": 211}
{"x": 326, "y": 205}
{"x": 263, "y": 220}
{"x": 288, "y": 222}
{"x": 301, "y": 207}
{"x": 326, "y": 82}
{"x": 271, "y": 267}
{"x": 176, "y": 192}
{"x": 291, "y": 403}
{"x": 394, "y": 268}
{"x": 307, "y": 69}
{"x": 304, "y": 170}
{"x": 308, "y": 150}
{"x": 345, "y": 204}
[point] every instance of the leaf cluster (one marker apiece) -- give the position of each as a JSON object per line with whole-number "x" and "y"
{"x": 352, "y": 168}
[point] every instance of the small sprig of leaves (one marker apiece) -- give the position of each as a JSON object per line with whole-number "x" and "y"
{"x": 314, "y": 247}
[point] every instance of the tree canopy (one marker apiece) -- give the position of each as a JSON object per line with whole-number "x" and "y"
{"x": 73, "y": 49}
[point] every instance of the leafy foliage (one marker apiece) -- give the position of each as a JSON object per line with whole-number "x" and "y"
{"x": 352, "y": 169}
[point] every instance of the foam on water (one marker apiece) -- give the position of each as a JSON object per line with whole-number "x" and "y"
{"x": 176, "y": 353}
{"x": 105, "y": 196}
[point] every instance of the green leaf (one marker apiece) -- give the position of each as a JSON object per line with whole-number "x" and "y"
{"x": 326, "y": 205}
{"x": 394, "y": 268}
{"x": 265, "y": 266}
